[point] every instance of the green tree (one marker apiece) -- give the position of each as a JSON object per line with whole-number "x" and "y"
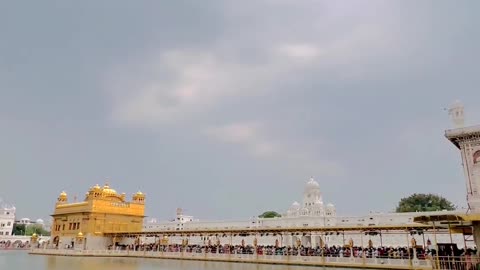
{"x": 424, "y": 203}
{"x": 270, "y": 214}
{"x": 18, "y": 229}
{"x": 36, "y": 228}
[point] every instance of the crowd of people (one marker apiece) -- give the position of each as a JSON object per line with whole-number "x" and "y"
{"x": 447, "y": 256}
{"x": 333, "y": 251}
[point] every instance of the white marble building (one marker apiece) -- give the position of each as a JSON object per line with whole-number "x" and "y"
{"x": 311, "y": 213}
{"x": 312, "y": 205}
{"x": 7, "y": 218}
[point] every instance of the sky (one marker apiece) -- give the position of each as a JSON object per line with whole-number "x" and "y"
{"x": 227, "y": 108}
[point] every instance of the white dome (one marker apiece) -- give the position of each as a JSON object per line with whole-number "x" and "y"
{"x": 5, "y": 205}
{"x": 312, "y": 184}
{"x": 295, "y": 205}
{"x": 330, "y": 205}
{"x": 39, "y": 221}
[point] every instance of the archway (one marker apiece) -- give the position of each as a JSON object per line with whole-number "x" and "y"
{"x": 476, "y": 157}
{"x": 55, "y": 241}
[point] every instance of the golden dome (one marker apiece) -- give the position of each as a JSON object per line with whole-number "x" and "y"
{"x": 107, "y": 191}
{"x": 80, "y": 234}
{"x": 139, "y": 194}
{"x": 34, "y": 235}
{"x": 63, "y": 194}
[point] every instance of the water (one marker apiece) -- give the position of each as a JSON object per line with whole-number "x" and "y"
{"x": 21, "y": 260}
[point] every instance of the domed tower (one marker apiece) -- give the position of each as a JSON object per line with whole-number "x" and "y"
{"x": 456, "y": 113}
{"x": 467, "y": 140}
{"x": 311, "y": 194}
{"x": 330, "y": 211}
{"x": 62, "y": 198}
{"x": 138, "y": 197}
{"x": 294, "y": 210}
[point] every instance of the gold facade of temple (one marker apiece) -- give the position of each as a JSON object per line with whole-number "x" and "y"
{"x": 102, "y": 211}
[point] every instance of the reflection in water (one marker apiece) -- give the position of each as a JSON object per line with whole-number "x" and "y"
{"x": 90, "y": 263}
{"x": 23, "y": 261}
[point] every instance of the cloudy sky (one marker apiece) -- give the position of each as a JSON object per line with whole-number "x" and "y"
{"x": 226, "y": 108}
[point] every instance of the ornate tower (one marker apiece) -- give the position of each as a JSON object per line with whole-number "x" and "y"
{"x": 311, "y": 194}
{"x": 467, "y": 140}
{"x": 139, "y": 198}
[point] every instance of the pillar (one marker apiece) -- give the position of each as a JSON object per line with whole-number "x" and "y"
{"x": 476, "y": 234}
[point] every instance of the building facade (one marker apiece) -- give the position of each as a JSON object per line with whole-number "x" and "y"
{"x": 7, "y": 218}
{"x": 311, "y": 213}
{"x": 81, "y": 225}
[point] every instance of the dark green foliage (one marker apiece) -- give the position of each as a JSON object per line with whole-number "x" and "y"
{"x": 22, "y": 229}
{"x": 18, "y": 229}
{"x": 424, "y": 203}
{"x": 38, "y": 229}
{"x": 270, "y": 214}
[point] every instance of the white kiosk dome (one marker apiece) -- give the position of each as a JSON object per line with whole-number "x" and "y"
{"x": 312, "y": 184}
{"x": 457, "y": 114}
{"x": 5, "y": 205}
{"x": 295, "y": 206}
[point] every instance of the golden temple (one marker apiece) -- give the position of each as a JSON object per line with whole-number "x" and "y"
{"x": 102, "y": 211}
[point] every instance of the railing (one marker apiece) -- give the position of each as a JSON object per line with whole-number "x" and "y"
{"x": 456, "y": 262}
{"x": 390, "y": 263}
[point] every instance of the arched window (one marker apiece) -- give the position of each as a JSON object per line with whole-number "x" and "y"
{"x": 476, "y": 157}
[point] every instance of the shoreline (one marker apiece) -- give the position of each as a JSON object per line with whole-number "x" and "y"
{"x": 334, "y": 262}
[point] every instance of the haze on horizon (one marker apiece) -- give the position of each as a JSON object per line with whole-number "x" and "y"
{"x": 226, "y": 108}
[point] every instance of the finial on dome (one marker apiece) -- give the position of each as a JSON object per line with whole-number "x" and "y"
{"x": 457, "y": 115}
{"x": 62, "y": 198}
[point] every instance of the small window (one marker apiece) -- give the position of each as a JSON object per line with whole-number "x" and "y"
{"x": 6, "y": 233}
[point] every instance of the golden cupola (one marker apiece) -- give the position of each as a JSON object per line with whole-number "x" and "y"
{"x": 62, "y": 198}
{"x": 138, "y": 197}
{"x": 108, "y": 192}
{"x": 94, "y": 192}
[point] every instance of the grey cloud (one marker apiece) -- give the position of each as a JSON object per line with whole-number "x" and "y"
{"x": 358, "y": 87}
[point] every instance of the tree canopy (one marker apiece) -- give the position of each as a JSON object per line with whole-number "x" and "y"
{"x": 423, "y": 203}
{"x": 36, "y": 228}
{"x": 22, "y": 229}
{"x": 18, "y": 229}
{"x": 270, "y": 214}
